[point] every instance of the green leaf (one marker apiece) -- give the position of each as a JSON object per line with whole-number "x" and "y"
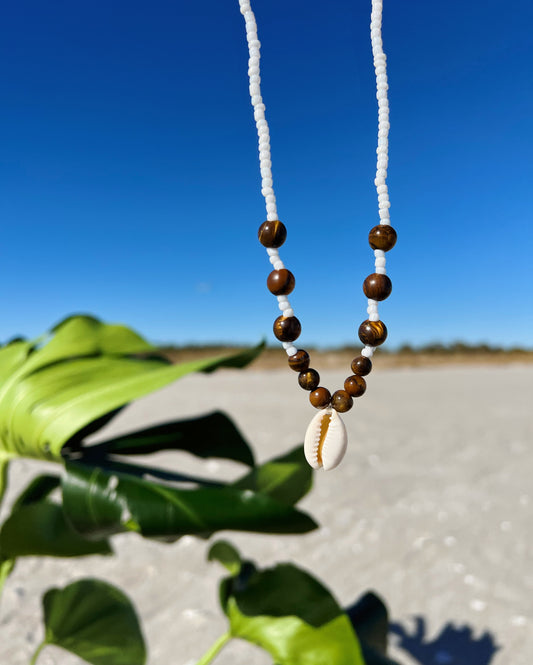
{"x": 95, "y": 621}
{"x": 290, "y": 614}
{"x": 40, "y": 529}
{"x": 291, "y": 641}
{"x": 12, "y": 355}
{"x": 4, "y": 467}
{"x": 99, "y": 503}
{"x": 286, "y": 478}
{"x": 39, "y": 488}
{"x": 6, "y": 568}
{"x": 86, "y": 369}
{"x": 227, "y": 555}
{"x": 213, "y": 435}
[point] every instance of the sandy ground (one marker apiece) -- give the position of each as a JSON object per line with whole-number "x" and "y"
{"x": 431, "y": 508}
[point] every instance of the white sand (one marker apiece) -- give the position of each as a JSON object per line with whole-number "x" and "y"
{"x": 431, "y": 508}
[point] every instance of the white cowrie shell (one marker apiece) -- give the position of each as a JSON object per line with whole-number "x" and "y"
{"x": 325, "y": 440}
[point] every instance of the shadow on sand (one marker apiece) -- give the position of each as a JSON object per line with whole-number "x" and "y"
{"x": 452, "y": 646}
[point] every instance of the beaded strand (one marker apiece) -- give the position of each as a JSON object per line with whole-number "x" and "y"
{"x": 272, "y": 233}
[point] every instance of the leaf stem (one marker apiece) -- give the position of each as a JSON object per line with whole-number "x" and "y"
{"x": 37, "y": 652}
{"x": 214, "y": 650}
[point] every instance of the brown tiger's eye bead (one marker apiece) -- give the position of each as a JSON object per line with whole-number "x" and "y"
{"x": 355, "y": 385}
{"x": 320, "y": 398}
{"x": 280, "y": 282}
{"x": 287, "y": 328}
{"x": 309, "y": 379}
{"x": 272, "y": 234}
{"x": 341, "y": 401}
{"x": 361, "y": 365}
{"x": 299, "y": 362}
{"x": 377, "y": 287}
{"x": 372, "y": 333}
{"x": 382, "y": 236}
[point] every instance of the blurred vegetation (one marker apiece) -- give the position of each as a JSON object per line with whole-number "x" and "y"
{"x": 405, "y": 355}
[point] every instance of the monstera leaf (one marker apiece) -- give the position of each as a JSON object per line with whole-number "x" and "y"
{"x": 212, "y": 435}
{"x": 53, "y": 387}
{"x": 99, "y": 502}
{"x": 285, "y": 611}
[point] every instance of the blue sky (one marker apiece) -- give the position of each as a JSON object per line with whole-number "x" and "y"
{"x": 129, "y": 180}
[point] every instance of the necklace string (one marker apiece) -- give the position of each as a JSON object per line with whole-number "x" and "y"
{"x": 265, "y": 158}
{"x": 326, "y": 436}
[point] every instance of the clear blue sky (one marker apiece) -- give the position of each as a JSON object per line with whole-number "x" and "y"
{"x": 130, "y": 184}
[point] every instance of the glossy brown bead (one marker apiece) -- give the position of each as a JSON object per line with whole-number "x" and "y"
{"x": 309, "y": 379}
{"x": 299, "y": 362}
{"x": 355, "y": 385}
{"x": 320, "y": 398}
{"x": 383, "y": 237}
{"x": 361, "y": 365}
{"x": 272, "y": 234}
{"x": 372, "y": 333}
{"x": 341, "y": 401}
{"x": 377, "y": 287}
{"x": 281, "y": 282}
{"x": 287, "y": 328}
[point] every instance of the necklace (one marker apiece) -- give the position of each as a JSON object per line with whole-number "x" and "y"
{"x": 326, "y": 439}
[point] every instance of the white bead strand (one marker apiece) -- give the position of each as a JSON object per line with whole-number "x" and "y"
{"x": 263, "y": 134}
{"x": 382, "y": 150}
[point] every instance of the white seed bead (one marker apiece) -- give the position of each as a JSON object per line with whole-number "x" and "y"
{"x": 279, "y": 265}
{"x": 373, "y": 317}
{"x": 288, "y": 312}
{"x": 368, "y": 351}
{"x": 272, "y": 251}
{"x": 380, "y": 262}
{"x": 291, "y": 350}
{"x": 381, "y": 270}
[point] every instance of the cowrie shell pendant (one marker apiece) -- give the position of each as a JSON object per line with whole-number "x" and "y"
{"x": 325, "y": 440}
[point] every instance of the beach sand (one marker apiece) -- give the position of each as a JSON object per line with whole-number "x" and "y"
{"x": 431, "y": 508}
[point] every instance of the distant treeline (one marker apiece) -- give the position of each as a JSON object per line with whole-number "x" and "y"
{"x": 435, "y": 348}
{"x": 438, "y": 348}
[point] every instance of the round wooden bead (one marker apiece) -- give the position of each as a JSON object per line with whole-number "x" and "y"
{"x": 320, "y": 398}
{"x": 341, "y": 401}
{"x": 377, "y": 287}
{"x": 383, "y": 237}
{"x": 309, "y": 379}
{"x": 299, "y": 362}
{"x": 361, "y": 365}
{"x": 287, "y": 328}
{"x": 355, "y": 385}
{"x": 281, "y": 282}
{"x": 272, "y": 234}
{"x": 372, "y": 333}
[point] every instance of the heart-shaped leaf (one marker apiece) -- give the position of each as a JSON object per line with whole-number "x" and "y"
{"x": 290, "y": 614}
{"x": 227, "y": 555}
{"x": 95, "y": 621}
{"x": 55, "y": 387}
{"x": 99, "y": 503}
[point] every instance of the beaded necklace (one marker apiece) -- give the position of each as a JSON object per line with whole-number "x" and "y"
{"x": 326, "y": 439}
